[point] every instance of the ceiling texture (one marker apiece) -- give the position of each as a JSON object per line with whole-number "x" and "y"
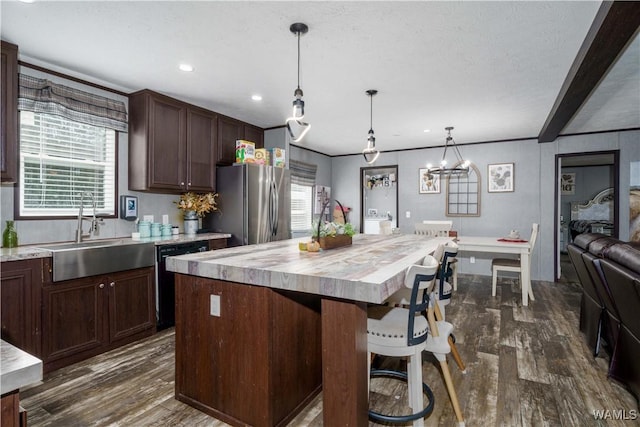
{"x": 493, "y": 70}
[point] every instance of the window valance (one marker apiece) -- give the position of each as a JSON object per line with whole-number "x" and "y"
{"x": 44, "y": 96}
{"x": 302, "y": 173}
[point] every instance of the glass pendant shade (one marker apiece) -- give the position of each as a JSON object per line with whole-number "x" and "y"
{"x": 370, "y": 153}
{"x": 296, "y": 127}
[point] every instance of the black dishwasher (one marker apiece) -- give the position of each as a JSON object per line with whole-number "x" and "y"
{"x": 165, "y": 281}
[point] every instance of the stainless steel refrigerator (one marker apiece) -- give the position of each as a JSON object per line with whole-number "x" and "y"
{"x": 254, "y": 204}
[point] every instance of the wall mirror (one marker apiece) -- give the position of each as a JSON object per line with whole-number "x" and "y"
{"x": 463, "y": 193}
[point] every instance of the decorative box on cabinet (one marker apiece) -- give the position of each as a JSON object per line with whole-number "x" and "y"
{"x": 88, "y": 316}
{"x": 172, "y": 144}
{"x": 21, "y": 287}
{"x": 9, "y": 113}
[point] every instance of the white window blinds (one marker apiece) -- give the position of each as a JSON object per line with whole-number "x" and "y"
{"x": 301, "y": 205}
{"x": 60, "y": 159}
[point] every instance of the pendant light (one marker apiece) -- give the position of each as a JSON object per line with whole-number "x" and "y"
{"x": 295, "y": 125}
{"x": 461, "y": 166}
{"x": 371, "y": 153}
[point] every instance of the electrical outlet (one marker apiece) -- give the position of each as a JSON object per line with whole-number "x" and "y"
{"x": 408, "y": 214}
{"x": 215, "y": 305}
{"x": 472, "y": 259}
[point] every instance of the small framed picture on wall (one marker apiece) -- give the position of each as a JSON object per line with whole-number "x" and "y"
{"x": 429, "y": 183}
{"x": 501, "y": 178}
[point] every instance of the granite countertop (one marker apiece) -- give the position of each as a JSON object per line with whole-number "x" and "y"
{"x": 17, "y": 368}
{"x": 40, "y": 251}
{"x": 369, "y": 270}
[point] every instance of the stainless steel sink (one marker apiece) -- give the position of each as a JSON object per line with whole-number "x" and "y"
{"x": 92, "y": 258}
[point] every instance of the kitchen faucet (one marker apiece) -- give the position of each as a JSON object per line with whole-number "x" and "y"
{"x": 94, "y": 221}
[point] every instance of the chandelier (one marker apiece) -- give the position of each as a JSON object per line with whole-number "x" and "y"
{"x": 459, "y": 168}
{"x": 371, "y": 153}
{"x": 295, "y": 121}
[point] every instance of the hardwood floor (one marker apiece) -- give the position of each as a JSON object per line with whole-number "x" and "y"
{"x": 525, "y": 367}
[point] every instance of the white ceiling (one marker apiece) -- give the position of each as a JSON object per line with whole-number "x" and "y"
{"x": 491, "y": 69}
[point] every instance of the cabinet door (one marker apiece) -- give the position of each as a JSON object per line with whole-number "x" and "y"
{"x": 131, "y": 303}
{"x": 229, "y": 130}
{"x": 254, "y": 134}
{"x": 167, "y": 145}
{"x": 21, "y": 287}
{"x": 202, "y": 135}
{"x": 73, "y": 314}
{"x": 9, "y": 113}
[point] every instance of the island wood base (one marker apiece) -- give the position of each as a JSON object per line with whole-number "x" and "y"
{"x": 259, "y": 363}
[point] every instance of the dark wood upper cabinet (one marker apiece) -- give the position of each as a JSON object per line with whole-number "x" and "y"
{"x": 9, "y": 113}
{"x": 171, "y": 144}
{"x": 254, "y": 134}
{"x": 229, "y": 130}
{"x": 202, "y": 129}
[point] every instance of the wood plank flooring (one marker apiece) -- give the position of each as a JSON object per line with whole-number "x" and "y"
{"x": 525, "y": 367}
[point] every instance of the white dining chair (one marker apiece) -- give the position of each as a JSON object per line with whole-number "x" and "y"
{"x": 433, "y": 228}
{"x": 406, "y": 332}
{"x": 513, "y": 265}
{"x": 385, "y": 227}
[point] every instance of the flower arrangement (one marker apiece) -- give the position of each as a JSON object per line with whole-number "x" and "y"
{"x": 200, "y": 203}
{"x": 332, "y": 229}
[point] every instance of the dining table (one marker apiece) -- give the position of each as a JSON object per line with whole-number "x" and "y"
{"x": 503, "y": 245}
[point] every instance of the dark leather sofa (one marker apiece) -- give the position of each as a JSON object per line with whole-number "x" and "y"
{"x": 609, "y": 271}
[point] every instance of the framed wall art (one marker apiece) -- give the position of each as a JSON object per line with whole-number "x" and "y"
{"x": 567, "y": 183}
{"x": 501, "y": 178}
{"x": 429, "y": 183}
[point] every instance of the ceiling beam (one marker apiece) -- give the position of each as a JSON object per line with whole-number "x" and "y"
{"x": 613, "y": 28}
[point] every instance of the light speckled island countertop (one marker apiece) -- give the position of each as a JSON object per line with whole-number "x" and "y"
{"x": 369, "y": 270}
{"x": 40, "y": 251}
{"x": 18, "y": 368}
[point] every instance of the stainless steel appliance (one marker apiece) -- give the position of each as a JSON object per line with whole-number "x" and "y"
{"x": 254, "y": 204}
{"x": 165, "y": 280}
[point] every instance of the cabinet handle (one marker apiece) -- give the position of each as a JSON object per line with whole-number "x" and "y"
{"x": 101, "y": 285}
{"x": 112, "y": 284}
{"x": 182, "y": 184}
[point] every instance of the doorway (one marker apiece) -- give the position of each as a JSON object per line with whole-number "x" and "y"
{"x": 587, "y": 200}
{"x": 378, "y": 197}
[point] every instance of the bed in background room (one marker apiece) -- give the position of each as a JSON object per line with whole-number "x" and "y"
{"x": 593, "y": 216}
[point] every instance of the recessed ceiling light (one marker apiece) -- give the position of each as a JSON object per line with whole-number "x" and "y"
{"x": 427, "y": 130}
{"x": 27, "y": 1}
{"x": 256, "y": 97}
{"x": 186, "y": 67}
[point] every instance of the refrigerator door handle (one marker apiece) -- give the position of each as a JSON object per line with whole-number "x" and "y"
{"x": 276, "y": 214}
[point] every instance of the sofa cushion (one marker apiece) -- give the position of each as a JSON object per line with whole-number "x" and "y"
{"x": 625, "y": 255}
{"x": 584, "y": 240}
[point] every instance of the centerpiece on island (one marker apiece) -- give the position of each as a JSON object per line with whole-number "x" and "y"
{"x": 334, "y": 234}
{"x": 195, "y": 206}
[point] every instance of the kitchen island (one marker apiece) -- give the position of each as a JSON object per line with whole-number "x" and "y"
{"x": 260, "y": 329}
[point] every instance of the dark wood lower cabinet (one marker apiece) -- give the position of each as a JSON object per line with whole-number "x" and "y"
{"x": 258, "y": 363}
{"x": 88, "y": 316}
{"x": 20, "y": 312}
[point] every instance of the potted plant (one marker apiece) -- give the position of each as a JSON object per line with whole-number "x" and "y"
{"x": 195, "y": 206}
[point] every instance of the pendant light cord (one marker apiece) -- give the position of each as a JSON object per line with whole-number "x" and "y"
{"x": 371, "y": 113}
{"x": 298, "y": 59}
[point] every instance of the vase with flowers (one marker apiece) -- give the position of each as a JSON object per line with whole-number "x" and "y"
{"x": 195, "y": 206}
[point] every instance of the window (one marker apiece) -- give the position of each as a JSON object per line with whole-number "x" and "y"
{"x": 61, "y": 158}
{"x": 301, "y": 207}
